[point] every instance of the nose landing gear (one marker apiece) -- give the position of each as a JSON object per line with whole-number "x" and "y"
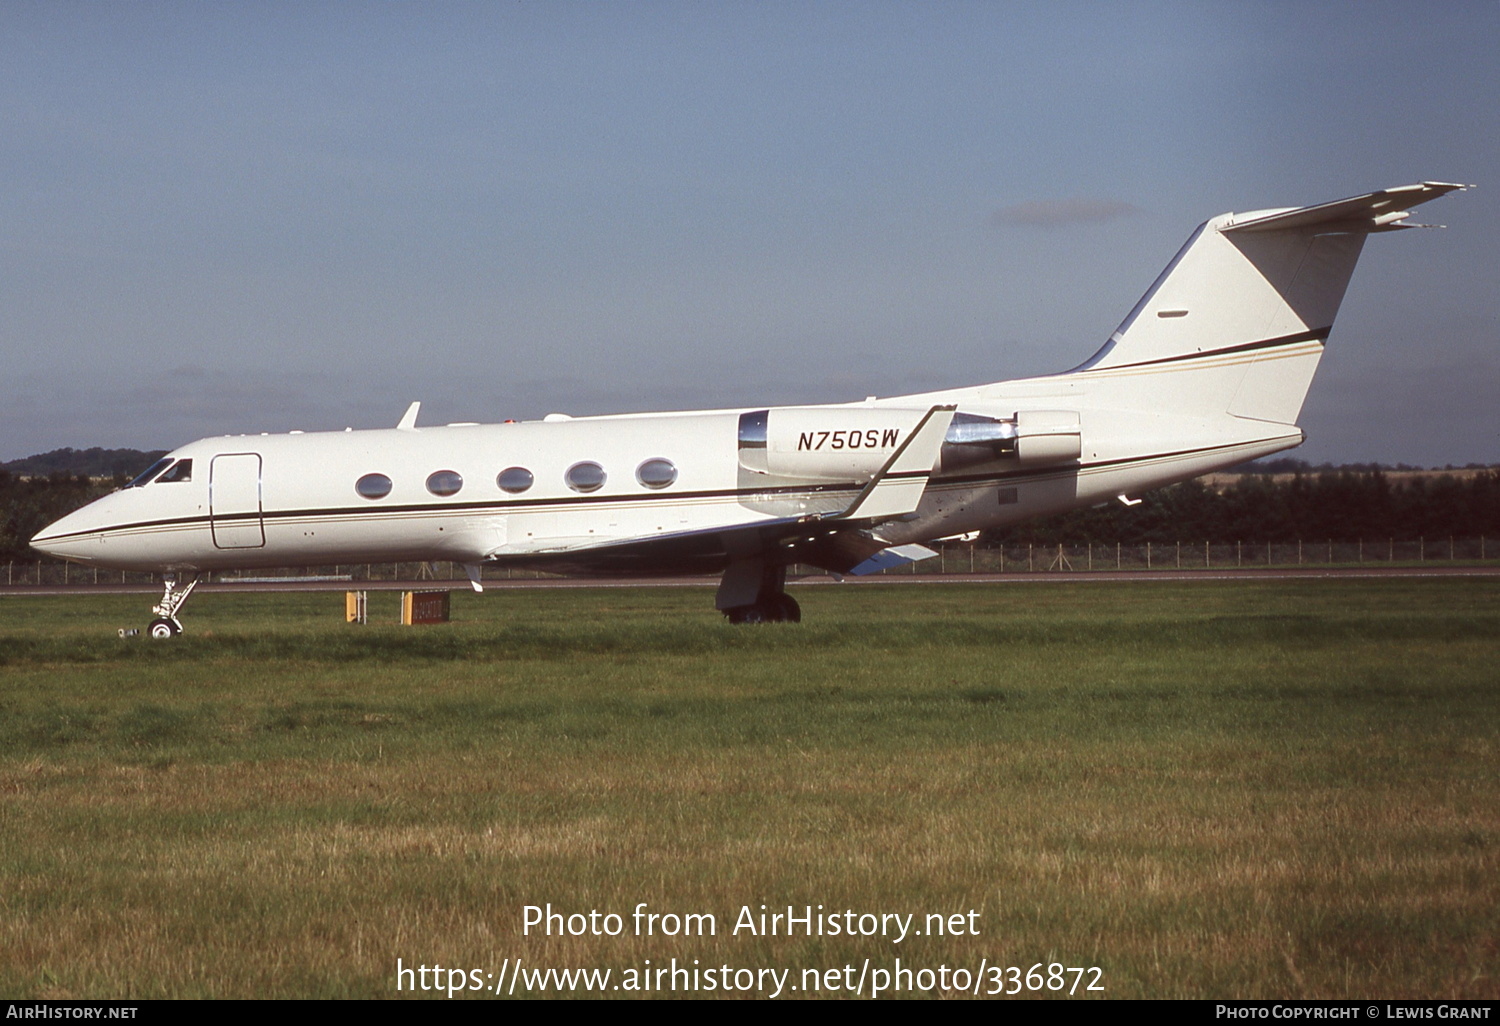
{"x": 166, "y": 624}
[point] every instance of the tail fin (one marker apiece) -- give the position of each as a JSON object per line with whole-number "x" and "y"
{"x": 1256, "y": 292}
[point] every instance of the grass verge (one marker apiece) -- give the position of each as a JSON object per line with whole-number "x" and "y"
{"x": 1207, "y": 789}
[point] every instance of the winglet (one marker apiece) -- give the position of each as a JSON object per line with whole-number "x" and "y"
{"x": 898, "y": 487}
{"x": 408, "y": 420}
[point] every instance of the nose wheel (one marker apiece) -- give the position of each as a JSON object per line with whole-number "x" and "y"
{"x": 166, "y": 624}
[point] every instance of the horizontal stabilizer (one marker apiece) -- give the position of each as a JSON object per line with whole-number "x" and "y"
{"x": 1381, "y": 211}
{"x": 897, "y": 555}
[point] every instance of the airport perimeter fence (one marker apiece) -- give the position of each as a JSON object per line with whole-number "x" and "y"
{"x": 978, "y": 558}
{"x": 952, "y": 558}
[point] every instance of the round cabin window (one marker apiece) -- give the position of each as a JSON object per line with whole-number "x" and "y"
{"x": 515, "y": 480}
{"x": 585, "y": 477}
{"x": 444, "y": 482}
{"x": 656, "y": 473}
{"x": 373, "y": 486}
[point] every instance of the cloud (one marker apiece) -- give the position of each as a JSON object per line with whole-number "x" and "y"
{"x": 1050, "y": 213}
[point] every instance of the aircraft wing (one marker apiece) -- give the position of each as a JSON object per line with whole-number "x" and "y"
{"x": 840, "y": 546}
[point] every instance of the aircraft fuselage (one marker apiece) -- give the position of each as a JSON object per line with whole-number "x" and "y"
{"x": 294, "y": 500}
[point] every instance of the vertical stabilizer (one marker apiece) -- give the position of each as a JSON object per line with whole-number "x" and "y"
{"x": 1252, "y": 298}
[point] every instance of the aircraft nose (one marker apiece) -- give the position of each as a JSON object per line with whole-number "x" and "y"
{"x": 42, "y": 541}
{"x": 69, "y": 538}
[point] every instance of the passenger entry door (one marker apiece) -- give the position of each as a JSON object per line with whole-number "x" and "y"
{"x": 234, "y": 501}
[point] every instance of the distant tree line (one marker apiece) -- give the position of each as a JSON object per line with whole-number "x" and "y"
{"x": 1340, "y": 506}
{"x": 94, "y": 462}
{"x": 1289, "y": 465}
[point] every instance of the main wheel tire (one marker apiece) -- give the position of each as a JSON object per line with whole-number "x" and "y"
{"x": 786, "y": 609}
{"x": 754, "y": 613}
{"x": 163, "y": 628}
{"x": 778, "y": 608}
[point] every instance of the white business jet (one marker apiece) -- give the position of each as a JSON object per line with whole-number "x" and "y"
{"x": 1209, "y": 370}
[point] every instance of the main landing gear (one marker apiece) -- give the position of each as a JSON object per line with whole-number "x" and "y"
{"x": 764, "y": 587}
{"x": 778, "y": 608}
{"x": 166, "y": 624}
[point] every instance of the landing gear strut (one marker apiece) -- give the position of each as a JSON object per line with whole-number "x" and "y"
{"x": 771, "y": 603}
{"x": 166, "y": 624}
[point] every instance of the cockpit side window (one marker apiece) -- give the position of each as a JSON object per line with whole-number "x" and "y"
{"x": 182, "y": 470}
{"x": 150, "y": 472}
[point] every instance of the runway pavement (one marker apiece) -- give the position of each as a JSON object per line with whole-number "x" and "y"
{"x": 1037, "y": 577}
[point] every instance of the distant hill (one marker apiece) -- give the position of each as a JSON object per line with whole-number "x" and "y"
{"x": 94, "y": 462}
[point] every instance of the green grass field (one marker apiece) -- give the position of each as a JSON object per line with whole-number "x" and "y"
{"x": 1205, "y": 789}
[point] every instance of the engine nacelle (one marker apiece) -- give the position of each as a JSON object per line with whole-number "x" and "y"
{"x": 823, "y": 443}
{"x": 1030, "y": 438}
{"x": 1048, "y": 436}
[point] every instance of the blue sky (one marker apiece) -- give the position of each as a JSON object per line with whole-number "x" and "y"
{"x": 261, "y": 217}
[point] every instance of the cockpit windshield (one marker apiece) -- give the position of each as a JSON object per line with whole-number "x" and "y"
{"x": 182, "y": 470}
{"x": 150, "y": 472}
